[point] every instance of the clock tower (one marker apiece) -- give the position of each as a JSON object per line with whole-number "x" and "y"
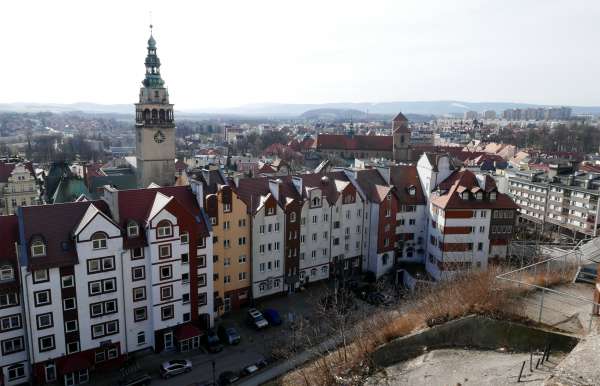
{"x": 154, "y": 126}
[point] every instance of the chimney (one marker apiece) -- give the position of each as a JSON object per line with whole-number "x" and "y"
{"x": 198, "y": 190}
{"x": 385, "y": 173}
{"x": 110, "y": 195}
{"x": 297, "y": 181}
{"x": 274, "y": 188}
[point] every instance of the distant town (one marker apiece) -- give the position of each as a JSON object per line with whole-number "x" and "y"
{"x": 130, "y": 240}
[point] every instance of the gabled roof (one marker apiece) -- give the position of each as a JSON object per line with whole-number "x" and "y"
{"x": 54, "y": 224}
{"x": 160, "y": 202}
{"x": 371, "y": 183}
{"x": 404, "y": 177}
{"x": 89, "y": 215}
{"x": 462, "y": 180}
{"x": 354, "y": 142}
{"x": 400, "y": 118}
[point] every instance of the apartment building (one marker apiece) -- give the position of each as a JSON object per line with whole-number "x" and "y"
{"x": 96, "y": 280}
{"x": 229, "y": 218}
{"x": 558, "y": 199}
{"x": 469, "y": 223}
{"x": 18, "y": 186}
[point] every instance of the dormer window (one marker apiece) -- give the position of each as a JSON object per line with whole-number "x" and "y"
{"x": 389, "y": 197}
{"x": 412, "y": 191}
{"x": 465, "y": 195}
{"x": 479, "y": 196}
{"x": 99, "y": 241}
{"x": 38, "y": 248}
{"x": 6, "y": 273}
{"x": 293, "y": 217}
{"x": 316, "y": 201}
{"x": 132, "y": 229}
{"x": 270, "y": 211}
{"x": 164, "y": 229}
{"x": 493, "y": 196}
{"x": 226, "y": 208}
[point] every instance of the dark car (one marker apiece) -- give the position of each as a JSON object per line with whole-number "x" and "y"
{"x": 138, "y": 379}
{"x": 227, "y": 378}
{"x": 272, "y": 317}
{"x": 228, "y": 334}
{"x": 211, "y": 341}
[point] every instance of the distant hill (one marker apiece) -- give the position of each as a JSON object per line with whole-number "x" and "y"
{"x": 332, "y": 114}
{"x": 286, "y": 110}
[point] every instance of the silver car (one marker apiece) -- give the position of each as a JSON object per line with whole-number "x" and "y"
{"x": 174, "y": 367}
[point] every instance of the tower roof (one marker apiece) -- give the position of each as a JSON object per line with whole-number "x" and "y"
{"x": 152, "y": 62}
{"x": 400, "y": 118}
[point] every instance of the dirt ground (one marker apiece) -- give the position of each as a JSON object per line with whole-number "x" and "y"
{"x": 452, "y": 367}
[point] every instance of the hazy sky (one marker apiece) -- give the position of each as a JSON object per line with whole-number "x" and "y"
{"x": 226, "y": 53}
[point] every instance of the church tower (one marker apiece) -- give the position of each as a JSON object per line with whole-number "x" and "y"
{"x": 154, "y": 126}
{"x": 401, "y": 139}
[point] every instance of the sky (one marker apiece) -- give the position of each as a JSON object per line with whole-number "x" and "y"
{"x": 228, "y": 53}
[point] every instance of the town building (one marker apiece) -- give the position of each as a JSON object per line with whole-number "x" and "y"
{"x": 18, "y": 186}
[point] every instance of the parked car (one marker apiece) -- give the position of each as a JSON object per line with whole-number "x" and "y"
{"x": 272, "y": 317}
{"x": 175, "y": 367}
{"x": 378, "y": 299}
{"x": 138, "y": 379}
{"x": 227, "y": 378}
{"x": 211, "y": 341}
{"x": 228, "y": 334}
{"x": 261, "y": 363}
{"x": 256, "y": 319}
{"x": 250, "y": 370}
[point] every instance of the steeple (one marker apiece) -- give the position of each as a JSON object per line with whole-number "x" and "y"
{"x": 153, "y": 79}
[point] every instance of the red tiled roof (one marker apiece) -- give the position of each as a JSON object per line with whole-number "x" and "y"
{"x": 135, "y": 205}
{"x": 55, "y": 225}
{"x": 403, "y": 177}
{"x": 9, "y": 229}
{"x": 355, "y": 142}
{"x": 462, "y": 180}
{"x": 368, "y": 180}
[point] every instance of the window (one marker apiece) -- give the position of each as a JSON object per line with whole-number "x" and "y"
{"x": 138, "y": 273}
{"x": 110, "y": 306}
{"x": 166, "y": 292}
{"x": 202, "y": 261}
{"x": 100, "y": 356}
{"x": 132, "y": 229}
{"x": 42, "y": 298}
{"x": 226, "y": 262}
{"x": 242, "y": 276}
{"x": 276, "y": 227}
{"x": 166, "y": 272}
{"x": 167, "y": 312}
{"x": 137, "y": 253}
{"x": 141, "y": 338}
{"x": 293, "y": 217}
{"x": 226, "y": 225}
{"x": 109, "y": 285}
{"x": 71, "y": 326}
{"x": 261, "y": 248}
{"x": 261, "y": 267}
{"x": 11, "y": 322}
{"x": 481, "y": 229}
{"x": 164, "y": 251}
{"x": 72, "y": 347}
{"x": 50, "y": 372}
{"x": 242, "y": 259}
{"x": 314, "y": 237}
{"x": 46, "y": 343}
{"x": 164, "y": 229}
{"x": 111, "y": 328}
{"x": 226, "y": 244}
{"x": 12, "y": 345}
{"x": 15, "y": 372}
{"x": 412, "y": 221}
{"x": 40, "y": 276}
{"x": 388, "y": 213}
{"x": 139, "y": 293}
{"x": 185, "y": 298}
{"x": 108, "y": 263}
{"x": 184, "y": 237}
{"x": 202, "y": 299}
{"x": 67, "y": 281}
{"x": 101, "y": 264}
{"x": 480, "y": 246}
{"x": 44, "y": 320}
{"x": 139, "y": 314}
{"x": 277, "y": 264}
{"x": 6, "y": 273}
{"x": 202, "y": 280}
{"x": 242, "y": 222}
{"x": 242, "y": 241}
{"x": 185, "y": 277}
{"x": 69, "y": 304}
{"x": 226, "y": 207}
{"x": 316, "y": 201}
{"x": 99, "y": 241}
{"x": 483, "y": 214}
{"x": 270, "y": 211}
{"x": 97, "y": 330}
{"x": 213, "y": 221}
{"x": 96, "y": 309}
{"x": 38, "y": 248}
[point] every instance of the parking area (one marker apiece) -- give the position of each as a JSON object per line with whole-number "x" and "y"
{"x": 302, "y": 308}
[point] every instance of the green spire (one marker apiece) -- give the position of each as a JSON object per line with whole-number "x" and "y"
{"x": 153, "y": 79}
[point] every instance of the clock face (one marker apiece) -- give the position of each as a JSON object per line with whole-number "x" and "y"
{"x": 159, "y": 137}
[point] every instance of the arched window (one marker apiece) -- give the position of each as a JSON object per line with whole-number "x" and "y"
{"x": 6, "y": 273}
{"x": 162, "y": 115}
{"x": 99, "y": 240}
{"x": 147, "y": 115}
{"x": 164, "y": 229}
{"x": 132, "y": 229}
{"x": 38, "y": 248}
{"x": 293, "y": 217}
{"x": 154, "y": 115}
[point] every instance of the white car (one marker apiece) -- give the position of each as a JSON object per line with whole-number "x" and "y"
{"x": 174, "y": 367}
{"x": 256, "y": 319}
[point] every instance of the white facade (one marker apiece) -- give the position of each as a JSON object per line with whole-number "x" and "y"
{"x": 315, "y": 237}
